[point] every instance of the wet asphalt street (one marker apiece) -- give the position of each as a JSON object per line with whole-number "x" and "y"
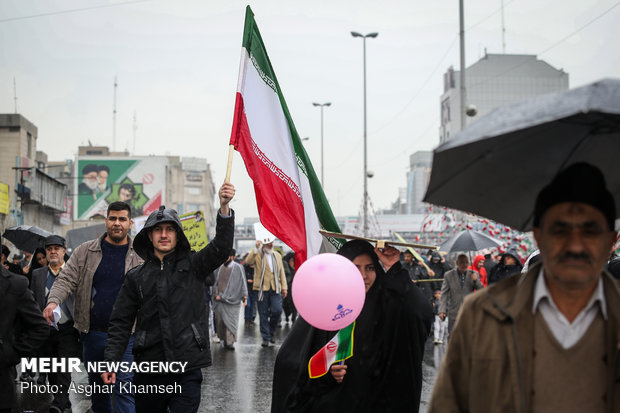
{"x": 240, "y": 380}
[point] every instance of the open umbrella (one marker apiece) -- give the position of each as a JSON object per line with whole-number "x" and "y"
{"x": 77, "y": 236}
{"x": 497, "y": 165}
{"x": 469, "y": 240}
{"x": 26, "y": 237}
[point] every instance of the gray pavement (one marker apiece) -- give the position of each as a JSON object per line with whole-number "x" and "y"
{"x": 240, "y": 380}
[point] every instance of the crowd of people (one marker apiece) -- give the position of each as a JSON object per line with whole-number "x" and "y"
{"x": 117, "y": 299}
{"x": 153, "y": 299}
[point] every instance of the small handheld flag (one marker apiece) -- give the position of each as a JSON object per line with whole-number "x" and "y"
{"x": 339, "y": 348}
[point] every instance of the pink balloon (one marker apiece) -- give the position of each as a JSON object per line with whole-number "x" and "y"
{"x": 328, "y": 291}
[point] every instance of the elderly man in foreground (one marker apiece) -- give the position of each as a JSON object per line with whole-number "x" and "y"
{"x": 548, "y": 340}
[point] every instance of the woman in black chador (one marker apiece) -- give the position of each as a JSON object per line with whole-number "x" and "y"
{"x": 385, "y": 372}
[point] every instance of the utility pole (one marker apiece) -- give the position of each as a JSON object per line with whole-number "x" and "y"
{"x": 114, "y": 117}
{"x": 462, "y": 77}
{"x": 503, "y": 31}
{"x": 322, "y": 105}
{"x": 365, "y": 218}
{"x": 15, "y": 93}
{"x": 135, "y": 128}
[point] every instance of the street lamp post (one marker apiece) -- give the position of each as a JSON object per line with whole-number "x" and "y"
{"x": 462, "y": 59}
{"x": 364, "y": 36}
{"x": 321, "y": 105}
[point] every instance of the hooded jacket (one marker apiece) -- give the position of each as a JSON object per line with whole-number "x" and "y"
{"x": 439, "y": 268}
{"x": 480, "y": 269}
{"x": 502, "y": 271}
{"x": 166, "y": 297}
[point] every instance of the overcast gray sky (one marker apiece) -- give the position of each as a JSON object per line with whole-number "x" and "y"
{"x": 177, "y": 66}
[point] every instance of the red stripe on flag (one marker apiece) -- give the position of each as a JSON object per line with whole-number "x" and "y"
{"x": 318, "y": 364}
{"x": 239, "y": 122}
{"x": 280, "y": 209}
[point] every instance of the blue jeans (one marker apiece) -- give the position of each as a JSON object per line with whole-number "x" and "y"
{"x": 269, "y": 311}
{"x": 250, "y": 309}
{"x": 93, "y": 346}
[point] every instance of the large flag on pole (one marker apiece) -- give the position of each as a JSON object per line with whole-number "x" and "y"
{"x": 290, "y": 200}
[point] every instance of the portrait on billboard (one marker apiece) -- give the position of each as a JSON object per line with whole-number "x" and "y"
{"x": 138, "y": 181}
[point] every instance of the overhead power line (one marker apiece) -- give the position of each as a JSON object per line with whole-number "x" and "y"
{"x": 554, "y": 45}
{"x": 436, "y": 67}
{"x": 53, "y": 13}
{"x": 565, "y": 38}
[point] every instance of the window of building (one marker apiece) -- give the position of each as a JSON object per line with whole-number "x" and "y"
{"x": 193, "y": 207}
{"x": 29, "y": 145}
{"x": 445, "y": 111}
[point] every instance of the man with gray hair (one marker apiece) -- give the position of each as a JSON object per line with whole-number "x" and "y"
{"x": 547, "y": 340}
{"x": 457, "y": 283}
{"x": 63, "y": 340}
{"x": 271, "y": 287}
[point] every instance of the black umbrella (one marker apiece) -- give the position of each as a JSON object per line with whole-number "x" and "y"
{"x": 469, "y": 240}
{"x": 496, "y": 166}
{"x": 77, "y": 236}
{"x": 26, "y": 237}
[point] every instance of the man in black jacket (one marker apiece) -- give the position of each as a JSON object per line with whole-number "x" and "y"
{"x": 165, "y": 298}
{"x": 22, "y": 330}
{"x": 508, "y": 265}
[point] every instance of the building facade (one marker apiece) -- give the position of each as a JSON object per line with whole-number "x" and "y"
{"x": 145, "y": 182}
{"x": 34, "y": 197}
{"x": 493, "y": 81}
{"x": 190, "y": 188}
{"x": 420, "y": 164}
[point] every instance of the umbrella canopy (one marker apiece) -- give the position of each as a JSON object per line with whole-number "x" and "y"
{"x": 26, "y": 237}
{"x": 77, "y": 236}
{"x": 469, "y": 240}
{"x": 497, "y": 165}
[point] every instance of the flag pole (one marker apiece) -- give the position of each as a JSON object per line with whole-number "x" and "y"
{"x": 231, "y": 149}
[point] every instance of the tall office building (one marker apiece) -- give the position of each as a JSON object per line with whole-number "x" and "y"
{"x": 493, "y": 81}
{"x": 420, "y": 164}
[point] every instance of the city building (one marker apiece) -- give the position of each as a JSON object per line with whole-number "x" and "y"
{"x": 33, "y": 196}
{"x": 493, "y": 81}
{"x": 420, "y": 164}
{"x": 145, "y": 182}
{"x": 190, "y": 187}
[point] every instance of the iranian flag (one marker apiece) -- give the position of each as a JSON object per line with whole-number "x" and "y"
{"x": 339, "y": 348}
{"x": 291, "y": 203}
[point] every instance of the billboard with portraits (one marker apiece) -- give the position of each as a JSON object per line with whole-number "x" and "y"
{"x": 139, "y": 181}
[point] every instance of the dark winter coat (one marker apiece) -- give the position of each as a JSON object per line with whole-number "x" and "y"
{"x": 22, "y": 330}
{"x": 166, "y": 299}
{"x": 502, "y": 271}
{"x": 418, "y": 272}
{"x": 439, "y": 268}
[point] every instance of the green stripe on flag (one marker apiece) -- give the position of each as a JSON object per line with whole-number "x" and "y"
{"x": 345, "y": 340}
{"x": 253, "y": 43}
{"x": 320, "y": 363}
